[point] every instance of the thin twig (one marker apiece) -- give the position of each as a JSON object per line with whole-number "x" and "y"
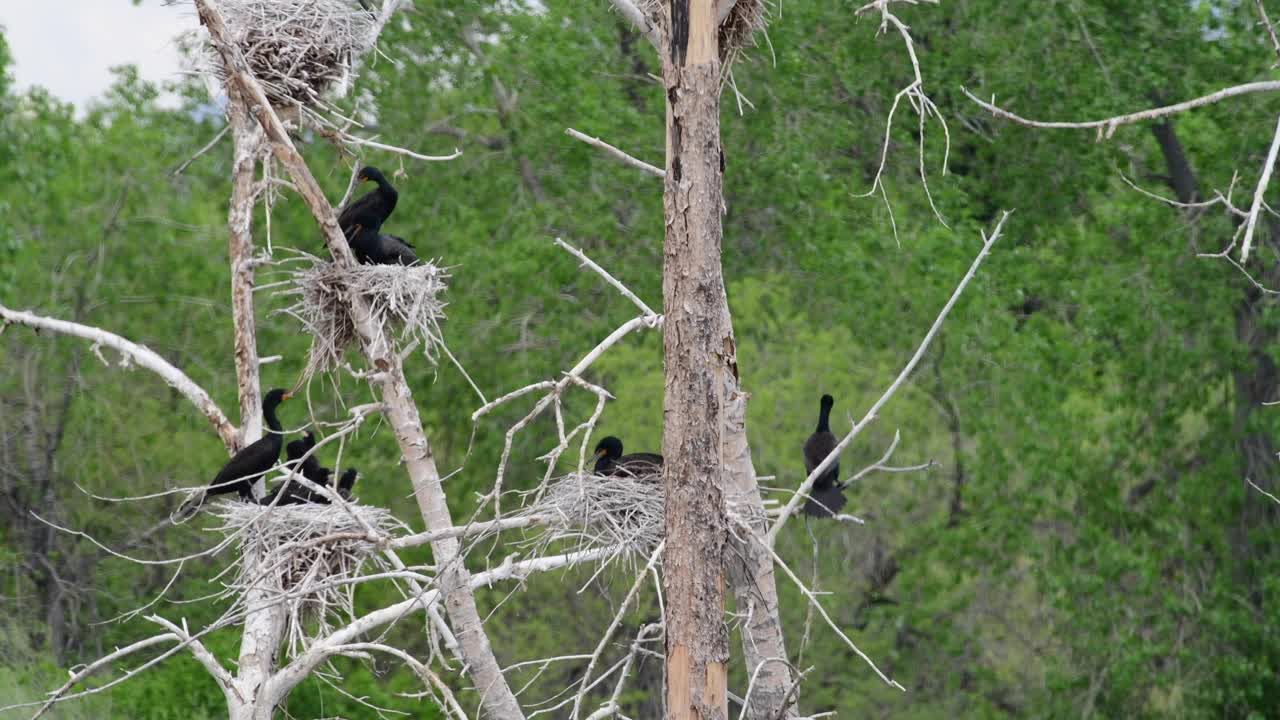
{"x": 615, "y": 152}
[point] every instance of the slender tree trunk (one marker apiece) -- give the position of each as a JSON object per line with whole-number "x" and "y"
{"x": 750, "y": 567}
{"x": 698, "y": 354}
{"x": 247, "y": 139}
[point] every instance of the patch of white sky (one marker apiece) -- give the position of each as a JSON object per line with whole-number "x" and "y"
{"x": 69, "y": 46}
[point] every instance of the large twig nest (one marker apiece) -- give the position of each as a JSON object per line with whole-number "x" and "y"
{"x": 298, "y": 49}
{"x": 310, "y": 553}
{"x": 403, "y": 300}
{"x": 587, "y": 511}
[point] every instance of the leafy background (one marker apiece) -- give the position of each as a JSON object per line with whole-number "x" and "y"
{"x": 1086, "y": 547}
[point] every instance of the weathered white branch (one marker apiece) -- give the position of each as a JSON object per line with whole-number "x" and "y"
{"x": 247, "y": 140}
{"x": 1263, "y": 181}
{"x": 131, "y": 353}
{"x": 1107, "y": 127}
{"x": 198, "y": 650}
{"x": 626, "y": 292}
{"x": 793, "y": 504}
{"x": 596, "y": 142}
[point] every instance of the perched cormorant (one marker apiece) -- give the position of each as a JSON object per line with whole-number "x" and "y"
{"x": 250, "y": 463}
{"x": 373, "y": 248}
{"x": 367, "y": 213}
{"x": 826, "y": 498}
{"x": 611, "y": 461}
{"x": 346, "y": 482}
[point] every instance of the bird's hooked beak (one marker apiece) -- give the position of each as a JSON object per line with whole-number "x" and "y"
{"x": 600, "y": 452}
{"x": 286, "y": 396}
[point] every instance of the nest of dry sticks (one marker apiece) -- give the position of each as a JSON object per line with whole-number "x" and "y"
{"x": 404, "y": 300}
{"x": 310, "y": 553}
{"x": 737, "y": 32}
{"x": 587, "y": 511}
{"x": 297, "y": 49}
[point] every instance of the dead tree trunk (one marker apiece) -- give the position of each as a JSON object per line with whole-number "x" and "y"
{"x": 698, "y": 354}
{"x": 247, "y": 140}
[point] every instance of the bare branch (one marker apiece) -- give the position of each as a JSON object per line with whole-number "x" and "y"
{"x": 1264, "y": 492}
{"x": 626, "y": 293}
{"x": 131, "y": 353}
{"x": 1271, "y": 30}
{"x": 634, "y": 15}
{"x": 198, "y": 650}
{"x": 1106, "y": 128}
{"x": 807, "y": 485}
{"x": 615, "y": 152}
{"x": 1258, "y": 193}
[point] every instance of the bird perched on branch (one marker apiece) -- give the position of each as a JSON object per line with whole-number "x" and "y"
{"x": 247, "y": 465}
{"x": 827, "y": 497}
{"x": 368, "y": 212}
{"x": 611, "y": 462}
{"x": 297, "y": 450}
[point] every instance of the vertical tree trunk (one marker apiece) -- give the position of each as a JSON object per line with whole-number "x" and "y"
{"x": 698, "y": 354}
{"x": 247, "y": 140}
{"x": 750, "y": 568}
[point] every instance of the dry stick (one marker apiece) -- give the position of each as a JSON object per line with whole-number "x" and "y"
{"x": 496, "y": 696}
{"x": 613, "y": 626}
{"x": 830, "y": 459}
{"x": 1264, "y": 492}
{"x": 132, "y": 353}
{"x": 1106, "y": 128}
{"x": 1258, "y": 192}
{"x": 1271, "y": 31}
{"x": 588, "y": 262}
{"x": 596, "y": 142}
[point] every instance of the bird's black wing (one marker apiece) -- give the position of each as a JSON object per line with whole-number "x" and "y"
{"x": 638, "y": 465}
{"x": 245, "y": 467}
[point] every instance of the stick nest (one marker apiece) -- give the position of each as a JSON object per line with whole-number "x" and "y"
{"x": 737, "y": 32}
{"x": 308, "y": 573}
{"x": 588, "y": 511}
{"x": 403, "y": 300}
{"x": 297, "y": 49}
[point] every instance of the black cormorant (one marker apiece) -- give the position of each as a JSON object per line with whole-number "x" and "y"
{"x": 827, "y": 497}
{"x": 346, "y": 482}
{"x": 250, "y": 463}
{"x": 373, "y": 248}
{"x": 367, "y": 213}
{"x": 611, "y": 461}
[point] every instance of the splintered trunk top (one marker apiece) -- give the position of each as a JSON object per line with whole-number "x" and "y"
{"x": 698, "y": 355}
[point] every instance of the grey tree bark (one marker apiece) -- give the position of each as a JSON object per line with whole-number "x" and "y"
{"x": 699, "y": 355}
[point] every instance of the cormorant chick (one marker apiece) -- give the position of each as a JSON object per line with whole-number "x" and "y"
{"x": 250, "y": 463}
{"x": 611, "y": 461}
{"x": 827, "y": 497}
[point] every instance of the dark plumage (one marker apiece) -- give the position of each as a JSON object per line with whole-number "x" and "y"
{"x": 827, "y": 497}
{"x": 373, "y": 248}
{"x": 367, "y": 213}
{"x": 299, "y": 490}
{"x": 250, "y": 463}
{"x": 297, "y": 449}
{"x": 346, "y": 482}
{"x": 611, "y": 461}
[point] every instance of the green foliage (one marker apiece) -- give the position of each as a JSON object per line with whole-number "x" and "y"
{"x": 1084, "y": 545}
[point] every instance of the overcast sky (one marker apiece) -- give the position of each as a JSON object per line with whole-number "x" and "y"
{"x": 67, "y": 46}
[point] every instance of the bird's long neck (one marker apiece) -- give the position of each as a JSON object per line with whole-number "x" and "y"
{"x": 269, "y": 414}
{"x": 824, "y": 420}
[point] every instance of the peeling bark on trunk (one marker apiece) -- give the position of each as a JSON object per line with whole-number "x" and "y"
{"x": 259, "y": 645}
{"x": 698, "y": 353}
{"x": 247, "y": 139}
